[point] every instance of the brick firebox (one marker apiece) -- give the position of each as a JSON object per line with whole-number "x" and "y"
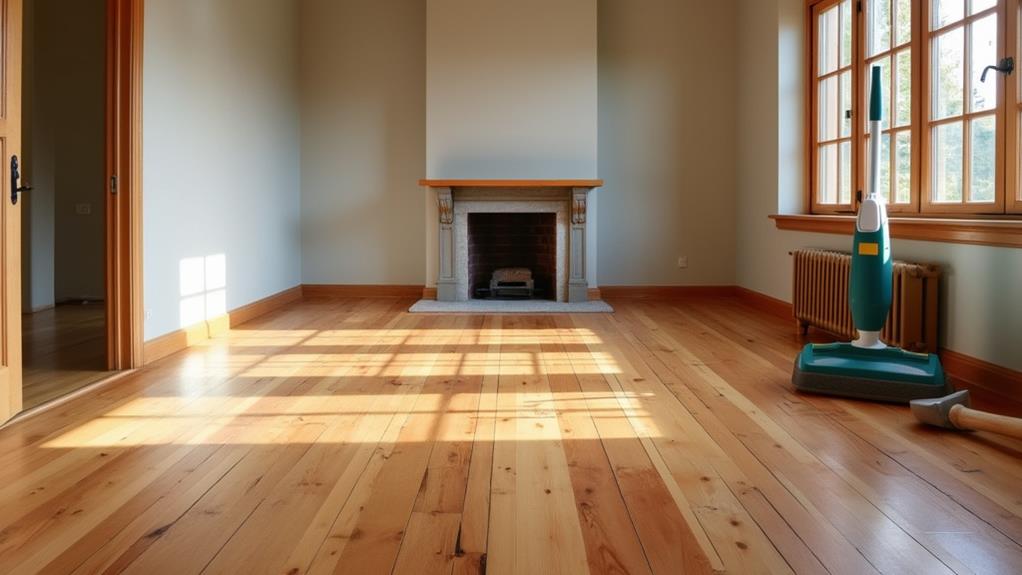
{"x": 513, "y": 240}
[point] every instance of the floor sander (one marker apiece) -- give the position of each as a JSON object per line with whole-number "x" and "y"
{"x": 866, "y": 368}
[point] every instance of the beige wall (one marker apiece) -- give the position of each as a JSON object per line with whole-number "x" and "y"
{"x": 65, "y": 100}
{"x": 511, "y": 89}
{"x": 667, "y": 94}
{"x": 363, "y": 141}
{"x": 982, "y": 314}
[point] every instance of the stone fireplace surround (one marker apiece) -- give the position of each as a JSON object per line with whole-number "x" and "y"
{"x": 565, "y": 198}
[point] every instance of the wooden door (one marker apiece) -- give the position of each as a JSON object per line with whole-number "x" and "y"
{"x": 10, "y": 222}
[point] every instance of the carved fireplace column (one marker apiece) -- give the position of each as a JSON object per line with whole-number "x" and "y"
{"x": 447, "y": 283}
{"x": 578, "y": 286}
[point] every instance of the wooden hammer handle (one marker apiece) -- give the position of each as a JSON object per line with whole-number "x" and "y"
{"x": 965, "y": 418}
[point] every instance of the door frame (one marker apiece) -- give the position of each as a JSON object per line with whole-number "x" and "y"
{"x": 125, "y": 312}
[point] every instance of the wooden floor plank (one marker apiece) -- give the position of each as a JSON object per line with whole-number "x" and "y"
{"x": 348, "y": 436}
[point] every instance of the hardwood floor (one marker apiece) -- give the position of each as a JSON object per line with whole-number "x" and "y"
{"x": 64, "y": 349}
{"x": 346, "y": 436}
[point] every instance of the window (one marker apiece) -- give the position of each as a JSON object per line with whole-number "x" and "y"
{"x": 949, "y": 141}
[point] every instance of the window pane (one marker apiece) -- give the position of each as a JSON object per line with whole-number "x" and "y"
{"x": 884, "y": 179}
{"x": 885, "y": 167}
{"x": 903, "y": 167}
{"x": 983, "y": 161}
{"x": 903, "y": 21}
{"x": 845, "y": 192}
{"x": 828, "y": 105}
{"x": 946, "y": 11}
{"x": 879, "y": 26}
{"x": 846, "y": 33}
{"x": 827, "y": 47}
{"x": 984, "y": 53}
{"x": 948, "y": 74}
{"x": 886, "y": 81}
{"x": 981, "y": 5}
{"x": 846, "y": 104}
{"x": 947, "y": 162}
{"x": 903, "y": 94}
{"x": 828, "y": 176}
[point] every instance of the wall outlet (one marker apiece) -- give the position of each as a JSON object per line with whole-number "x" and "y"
{"x": 83, "y": 209}
{"x": 148, "y": 314}
{"x": 683, "y": 262}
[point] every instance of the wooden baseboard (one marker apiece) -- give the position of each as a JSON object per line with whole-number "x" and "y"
{"x": 429, "y": 293}
{"x": 665, "y": 292}
{"x": 975, "y": 372}
{"x": 595, "y": 294}
{"x": 175, "y": 341}
{"x": 765, "y": 303}
{"x": 362, "y": 291}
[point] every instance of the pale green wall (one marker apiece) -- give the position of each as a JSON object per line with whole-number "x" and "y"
{"x": 667, "y": 139}
{"x": 363, "y": 75}
{"x": 981, "y": 310}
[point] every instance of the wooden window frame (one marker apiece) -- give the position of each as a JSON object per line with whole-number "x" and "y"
{"x": 928, "y": 205}
{"x": 812, "y": 116}
{"x": 861, "y": 102}
{"x": 1008, "y": 192}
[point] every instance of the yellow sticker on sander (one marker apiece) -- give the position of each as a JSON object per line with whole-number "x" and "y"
{"x": 869, "y": 249}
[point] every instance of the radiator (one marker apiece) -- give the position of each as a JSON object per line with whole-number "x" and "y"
{"x": 820, "y": 299}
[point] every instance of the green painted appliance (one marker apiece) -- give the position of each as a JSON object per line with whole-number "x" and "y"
{"x": 866, "y": 368}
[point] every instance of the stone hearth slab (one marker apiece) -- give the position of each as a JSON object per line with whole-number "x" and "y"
{"x": 509, "y": 306}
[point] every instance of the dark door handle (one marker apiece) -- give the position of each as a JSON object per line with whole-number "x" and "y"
{"x": 1006, "y": 66}
{"x": 15, "y": 176}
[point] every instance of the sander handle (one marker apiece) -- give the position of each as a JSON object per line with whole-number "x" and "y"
{"x": 967, "y": 418}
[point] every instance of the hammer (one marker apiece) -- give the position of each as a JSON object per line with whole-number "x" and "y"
{"x": 953, "y": 412}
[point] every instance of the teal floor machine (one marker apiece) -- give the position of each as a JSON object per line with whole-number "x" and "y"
{"x": 866, "y": 368}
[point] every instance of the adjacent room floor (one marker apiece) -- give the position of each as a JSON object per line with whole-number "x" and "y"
{"x": 64, "y": 349}
{"x": 350, "y": 436}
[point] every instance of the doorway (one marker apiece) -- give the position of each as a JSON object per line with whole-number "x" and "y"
{"x": 64, "y": 100}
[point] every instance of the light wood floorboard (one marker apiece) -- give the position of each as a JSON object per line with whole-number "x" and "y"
{"x": 348, "y": 436}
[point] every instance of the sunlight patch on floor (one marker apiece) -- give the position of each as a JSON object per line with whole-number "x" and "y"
{"x": 174, "y": 420}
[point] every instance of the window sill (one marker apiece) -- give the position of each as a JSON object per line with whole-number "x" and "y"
{"x": 982, "y": 232}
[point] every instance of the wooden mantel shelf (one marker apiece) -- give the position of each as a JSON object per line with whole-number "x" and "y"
{"x": 511, "y": 183}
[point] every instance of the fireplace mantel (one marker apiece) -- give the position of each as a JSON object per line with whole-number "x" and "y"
{"x": 511, "y": 183}
{"x": 455, "y": 198}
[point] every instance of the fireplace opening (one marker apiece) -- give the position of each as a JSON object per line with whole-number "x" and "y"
{"x": 512, "y": 255}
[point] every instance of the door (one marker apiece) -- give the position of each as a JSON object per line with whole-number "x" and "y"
{"x": 10, "y": 222}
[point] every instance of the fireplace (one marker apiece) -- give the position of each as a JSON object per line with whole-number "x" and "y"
{"x": 480, "y": 230}
{"x": 503, "y": 240}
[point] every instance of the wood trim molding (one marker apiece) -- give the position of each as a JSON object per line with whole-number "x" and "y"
{"x": 665, "y": 292}
{"x": 510, "y": 183}
{"x": 975, "y": 372}
{"x": 765, "y": 303}
{"x": 429, "y": 293}
{"x": 125, "y": 312}
{"x": 595, "y": 294}
{"x": 984, "y": 232}
{"x": 363, "y": 291}
{"x": 175, "y": 341}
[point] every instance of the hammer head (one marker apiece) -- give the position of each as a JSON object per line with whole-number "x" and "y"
{"x": 936, "y": 411}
